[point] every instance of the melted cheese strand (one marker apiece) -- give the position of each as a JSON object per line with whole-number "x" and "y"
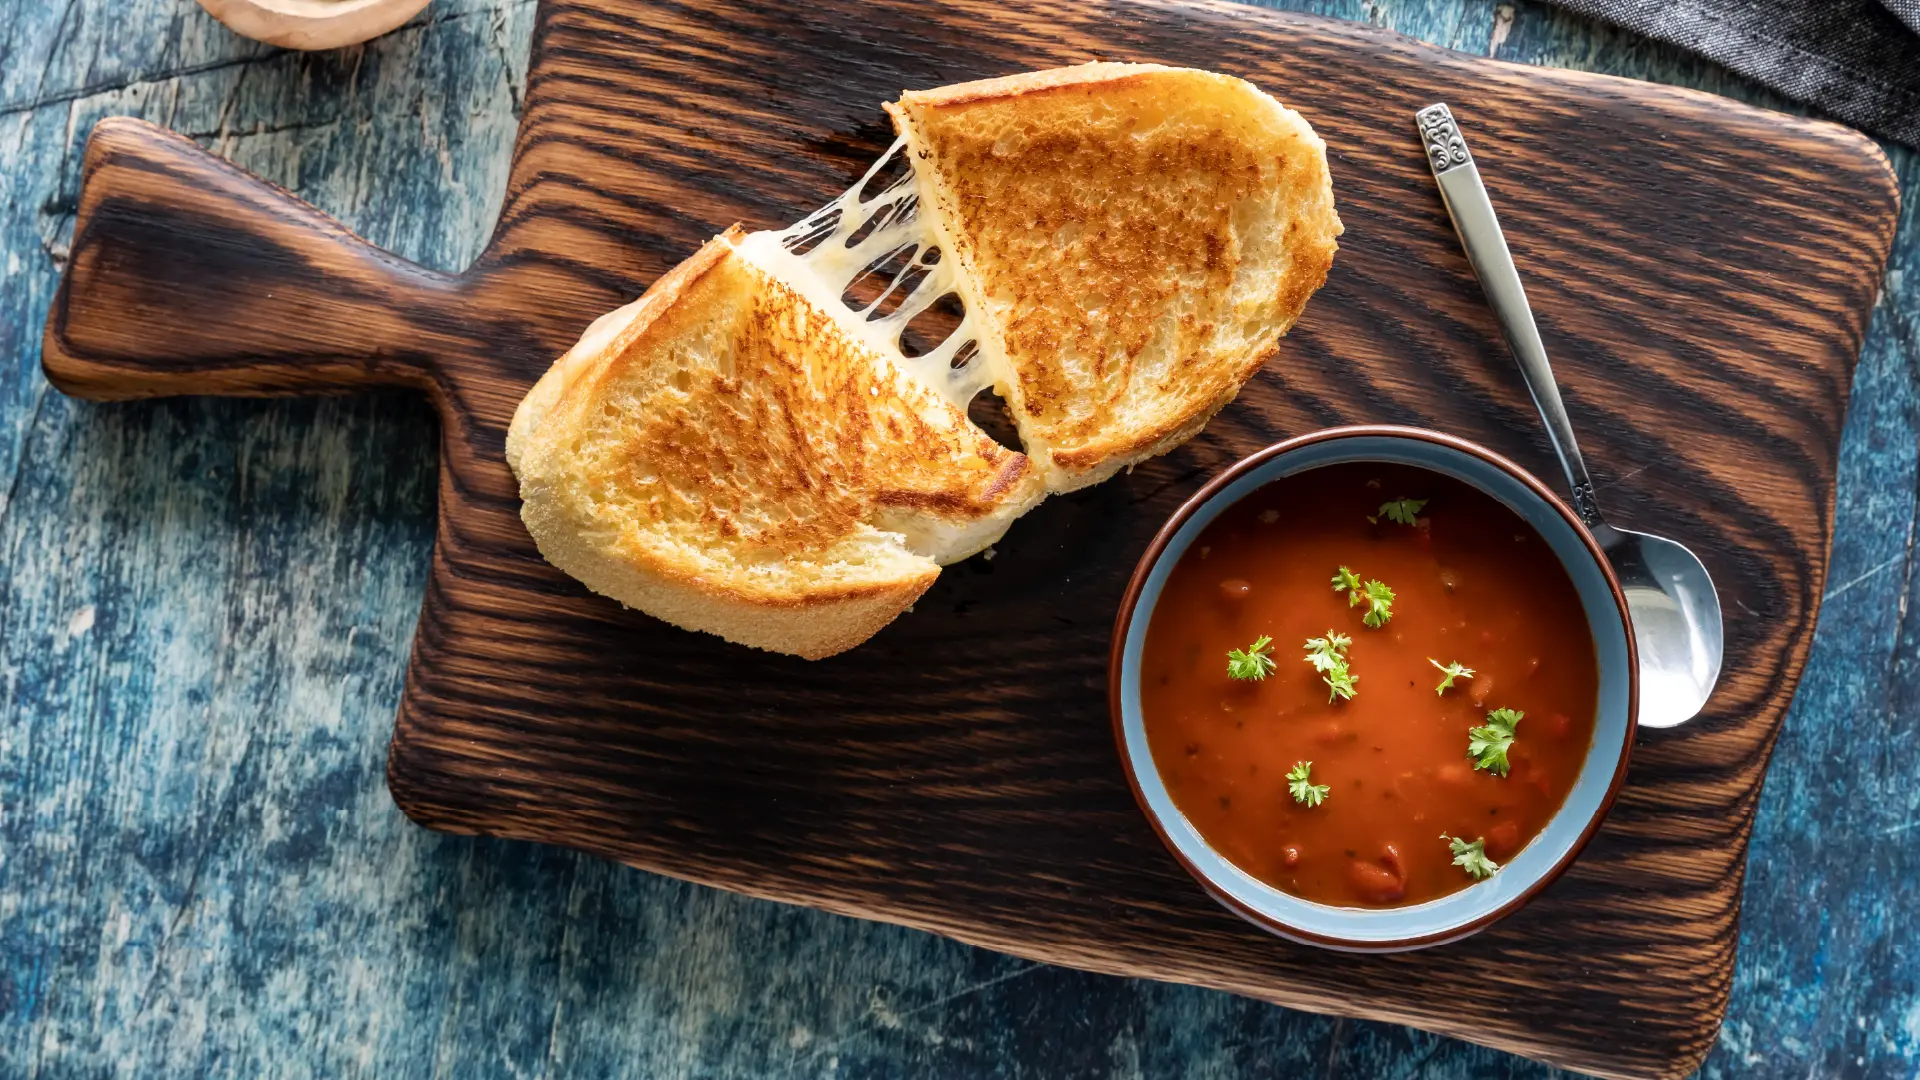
{"x": 819, "y": 257}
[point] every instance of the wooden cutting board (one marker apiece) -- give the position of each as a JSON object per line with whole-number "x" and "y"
{"x": 1702, "y": 273}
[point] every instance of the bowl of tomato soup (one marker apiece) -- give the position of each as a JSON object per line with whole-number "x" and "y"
{"x": 1374, "y": 687}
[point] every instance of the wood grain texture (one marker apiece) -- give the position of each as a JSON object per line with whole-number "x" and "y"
{"x": 1022, "y": 836}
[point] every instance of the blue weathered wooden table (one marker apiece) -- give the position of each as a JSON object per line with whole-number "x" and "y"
{"x": 206, "y": 607}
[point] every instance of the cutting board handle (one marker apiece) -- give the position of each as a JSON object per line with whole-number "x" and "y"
{"x": 168, "y": 233}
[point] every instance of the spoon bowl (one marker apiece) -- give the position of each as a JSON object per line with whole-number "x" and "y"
{"x": 1676, "y": 622}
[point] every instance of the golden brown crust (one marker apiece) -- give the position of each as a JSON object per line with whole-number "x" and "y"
{"x": 608, "y": 336}
{"x": 724, "y": 456}
{"x": 1136, "y": 237}
{"x": 821, "y": 623}
{"x": 1006, "y": 87}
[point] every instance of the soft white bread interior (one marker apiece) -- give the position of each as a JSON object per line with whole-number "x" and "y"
{"x": 1132, "y": 239}
{"x": 725, "y": 456}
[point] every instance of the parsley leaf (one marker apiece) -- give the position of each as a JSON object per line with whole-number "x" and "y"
{"x": 1402, "y": 510}
{"x": 1375, "y": 594}
{"x": 1340, "y": 683}
{"x": 1487, "y": 744}
{"x": 1303, "y": 790}
{"x": 1379, "y": 604}
{"x": 1471, "y": 857}
{"x": 1328, "y": 655}
{"x": 1451, "y": 671}
{"x": 1255, "y": 663}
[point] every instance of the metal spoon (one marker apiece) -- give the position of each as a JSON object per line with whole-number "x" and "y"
{"x": 1676, "y": 614}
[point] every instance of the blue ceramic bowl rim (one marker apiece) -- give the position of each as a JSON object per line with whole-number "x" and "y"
{"x": 1462, "y": 913}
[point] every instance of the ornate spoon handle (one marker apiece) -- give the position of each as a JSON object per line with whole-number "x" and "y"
{"x": 1473, "y": 218}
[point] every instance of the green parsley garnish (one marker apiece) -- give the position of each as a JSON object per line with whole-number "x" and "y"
{"x": 1303, "y": 791}
{"x": 1255, "y": 663}
{"x": 1451, "y": 671}
{"x": 1328, "y": 655}
{"x": 1487, "y": 744}
{"x": 1402, "y": 511}
{"x": 1375, "y": 594}
{"x": 1340, "y": 683}
{"x": 1379, "y": 604}
{"x": 1471, "y": 857}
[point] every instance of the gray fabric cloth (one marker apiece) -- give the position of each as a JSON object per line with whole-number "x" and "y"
{"x": 1857, "y": 60}
{"x": 1908, "y": 10}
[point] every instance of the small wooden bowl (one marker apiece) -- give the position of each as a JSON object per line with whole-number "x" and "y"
{"x": 312, "y": 24}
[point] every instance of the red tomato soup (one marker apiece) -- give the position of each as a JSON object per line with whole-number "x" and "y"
{"x": 1396, "y": 765}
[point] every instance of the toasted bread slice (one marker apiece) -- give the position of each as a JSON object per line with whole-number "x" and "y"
{"x": 1133, "y": 240}
{"x": 744, "y": 451}
{"x": 727, "y": 456}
